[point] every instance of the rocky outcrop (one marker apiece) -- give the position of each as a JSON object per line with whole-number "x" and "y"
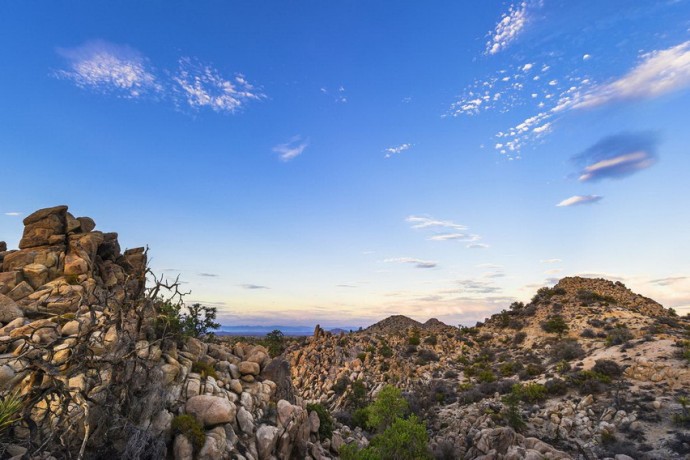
{"x": 84, "y": 345}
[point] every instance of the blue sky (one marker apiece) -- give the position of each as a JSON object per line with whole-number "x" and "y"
{"x": 338, "y": 162}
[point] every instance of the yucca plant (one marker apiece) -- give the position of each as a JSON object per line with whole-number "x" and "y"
{"x": 10, "y": 406}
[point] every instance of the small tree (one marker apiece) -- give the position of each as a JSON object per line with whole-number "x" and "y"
{"x": 200, "y": 320}
{"x": 275, "y": 341}
{"x": 388, "y": 406}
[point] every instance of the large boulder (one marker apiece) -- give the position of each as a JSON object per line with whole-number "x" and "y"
{"x": 266, "y": 440}
{"x": 44, "y": 227}
{"x": 9, "y": 310}
{"x": 211, "y": 410}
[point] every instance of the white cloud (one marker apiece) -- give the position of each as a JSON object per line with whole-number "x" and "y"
{"x": 203, "y": 86}
{"x": 550, "y": 261}
{"x": 580, "y": 200}
{"x": 418, "y": 263}
{"x": 477, "y": 246}
{"x": 13, "y": 214}
{"x": 454, "y": 236}
{"x": 632, "y": 161}
{"x": 291, "y": 149}
{"x": 108, "y": 68}
{"x": 553, "y": 271}
{"x": 508, "y": 28}
{"x": 659, "y": 72}
{"x": 390, "y": 151}
{"x": 429, "y": 222}
{"x": 586, "y": 57}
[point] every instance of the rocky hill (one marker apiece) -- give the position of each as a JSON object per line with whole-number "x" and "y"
{"x": 587, "y": 370}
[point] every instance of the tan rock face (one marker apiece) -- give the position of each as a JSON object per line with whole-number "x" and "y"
{"x": 211, "y": 410}
{"x": 9, "y": 310}
{"x": 249, "y": 368}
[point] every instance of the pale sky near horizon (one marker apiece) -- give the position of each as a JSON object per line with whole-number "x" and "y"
{"x": 338, "y": 162}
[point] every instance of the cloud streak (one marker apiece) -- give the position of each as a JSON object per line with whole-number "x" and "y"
{"x": 291, "y": 149}
{"x": 578, "y": 200}
{"x": 618, "y": 156}
{"x": 390, "y": 151}
{"x": 658, "y": 72}
{"x": 420, "y": 222}
{"x": 418, "y": 263}
{"x": 253, "y": 286}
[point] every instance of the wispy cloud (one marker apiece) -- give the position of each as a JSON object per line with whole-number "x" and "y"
{"x": 577, "y": 200}
{"x": 253, "y": 286}
{"x": 477, "y": 246}
{"x": 418, "y": 263}
{"x": 291, "y": 149}
{"x": 201, "y": 85}
{"x": 122, "y": 71}
{"x": 550, "y": 261}
{"x": 658, "y": 72}
{"x": 13, "y": 214}
{"x": 553, "y": 271}
{"x": 454, "y": 237}
{"x": 508, "y": 28}
{"x": 208, "y": 275}
{"x": 477, "y": 286}
{"x": 669, "y": 280}
{"x": 420, "y": 222}
{"x": 390, "y": 151}
{"x": 108, "y": 68}
{"x": 618, "y": 156}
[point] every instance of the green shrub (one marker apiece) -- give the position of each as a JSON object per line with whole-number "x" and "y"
{"x": 361, "y": 356}
{"x": 188, "y": 426}
{"x": 486, "y": 376}
{"x": 198, "y": 321}
{"x": 358, "y": 394}
{"x": 385, "y": 351}
{"x": 325, "y": 420}
{"x": 588, "y": 298}
{"x": 341, "y": 385}
{"x": 275, "y": 342}
{"x": 510, "y": 368}
{"x": 204, "y": 369}
{"x": 388, "y": 406}
{"x": 589, "y": 381}
{"x": 403, "y": 440}
{"x": 531, "y": 392}
{"x": 555, "y": 325}
{"x": 519, "y": 338}
{"x": 511, "y": 412}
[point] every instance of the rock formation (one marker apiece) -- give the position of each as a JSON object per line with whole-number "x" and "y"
{"x": 84, "y": 350}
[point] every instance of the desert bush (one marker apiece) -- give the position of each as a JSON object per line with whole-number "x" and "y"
{"x": 358, "y": 394}
{"x": 587, "y": 382}
{"x": 588, "y": 298}
{"x": 531, "y": 370}
{"x": 403, "y": 440}
{"x": 588, "y": 334}
{"x": 556, "y": 387}
{"x": 510, "y": 368}
{"x": 450, "y": 374}
{"x": 414, "y": 338}
{"x": 618, "y": 336}
{"x": 426, "y": 356}
{"x": 385, "y": 350}
{"x": 555, "y": 325}
{"x": 341, "y": 385}
{"x": 530, "y": 393}
{"x": 431, "y": 340}
{"x": 204, "y": 369}
{"x": 361, "y": 356}
{"x": 566, "y": 350}
{"x": 511, "y": 412}
{"x": 470, "y": 396}
{"x": 519, "y": 338}
{"x": 172, "y": 321}
{"x": 486, "y": 376}
{"x": 325, "y": 420}
{"x": 608, "y": 368}
{"x": 188, "y": 426}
